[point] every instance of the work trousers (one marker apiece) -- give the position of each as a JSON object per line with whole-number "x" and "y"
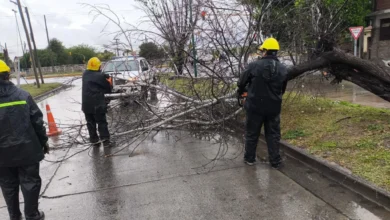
{"x": 100, "y": 120}
{"x": 254, "y": 122}
{"x": 27, "y": 177}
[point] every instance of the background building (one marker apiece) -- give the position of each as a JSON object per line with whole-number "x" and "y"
{"x": 378, "y": 35}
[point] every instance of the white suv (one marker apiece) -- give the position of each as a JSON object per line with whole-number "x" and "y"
{"x": 128, "y": 70}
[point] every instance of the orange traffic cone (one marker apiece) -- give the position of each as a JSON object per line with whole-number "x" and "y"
{"x": 53, "y": 130}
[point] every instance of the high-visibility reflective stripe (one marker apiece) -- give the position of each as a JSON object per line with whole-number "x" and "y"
{"x": 8, "y": 104}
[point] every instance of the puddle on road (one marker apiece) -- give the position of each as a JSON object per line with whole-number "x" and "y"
{"x": 363, "y": 213}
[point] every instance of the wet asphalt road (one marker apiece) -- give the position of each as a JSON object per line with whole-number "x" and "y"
{"x": 170, "y": 176}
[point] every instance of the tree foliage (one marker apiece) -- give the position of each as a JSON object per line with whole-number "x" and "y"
{"x": 351, "y": 12}
{"x": 5, "y": 57}
{"x": 151, "y": 51}
{"x": 105, "y": 55}
{"x": 308, "y": 23}
{"x": 25, "y": 61}
{"x": 59, "y": 52}
{"x": 81, "y": 54}
{"x": 173, "y": 21}
{"x": 44, "y": 58}
{"x": 61, "y": 55}
{"x": 310, "y": 31}
{"x": 2, "y": 57}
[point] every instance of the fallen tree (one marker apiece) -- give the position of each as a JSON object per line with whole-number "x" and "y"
{"x": 372, "y": 75}
{"x": 208, "y": 102}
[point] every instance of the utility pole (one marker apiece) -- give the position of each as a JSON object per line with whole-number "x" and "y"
{"x": 193, "y": 41}
{"x": 117, "y": 48}
{"x": 6, "y": 56}
{"x": 28, "y": 42}
{"x": 35, "y": 46}
{"x": 131, "y": 44}
{"x": 48, "y": 45}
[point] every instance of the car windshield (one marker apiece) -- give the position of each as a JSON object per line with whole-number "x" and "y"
{"x": 120, "y": 66}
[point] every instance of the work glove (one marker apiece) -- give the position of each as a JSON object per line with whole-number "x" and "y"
{"x": 239, "y": 97}
{"x": 239, "y": 92}
{"x": 46, "y": 148}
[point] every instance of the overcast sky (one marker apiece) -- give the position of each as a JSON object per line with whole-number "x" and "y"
{"x": 68, "y": 21}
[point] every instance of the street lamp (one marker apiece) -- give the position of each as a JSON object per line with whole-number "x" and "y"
{"x": 17, "y": 70}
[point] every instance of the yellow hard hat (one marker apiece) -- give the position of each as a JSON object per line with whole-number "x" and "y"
{"x": 94, "y": 64}
{"x": 4, "y": 68}
{"x": 270, "y": 44}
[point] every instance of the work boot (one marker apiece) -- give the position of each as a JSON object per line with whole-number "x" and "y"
{"x": 95, "y": 143}
{"x": 277, "y": 166}
{"x": 108, "y": 143}
{"x": 16, "y": 217}
{"x": 250, "y": 162}
{"x": 40, "y": 216}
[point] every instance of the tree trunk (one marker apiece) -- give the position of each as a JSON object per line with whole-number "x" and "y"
{"x": 180, "y": 59}
{"x": 372, "y": 75}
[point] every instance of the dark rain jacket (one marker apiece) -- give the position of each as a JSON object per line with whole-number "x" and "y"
{"x": 22, "y": 133}
{"x": 266, "y": 81}
{"x": 95, "y": 85}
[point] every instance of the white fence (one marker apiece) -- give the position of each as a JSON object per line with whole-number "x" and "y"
{"x": 60, "y": 69}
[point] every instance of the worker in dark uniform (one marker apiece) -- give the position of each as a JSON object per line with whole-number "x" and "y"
{"x": 23, "y": 142}
{"x": 94, "y": 105}
{"x": 266, "y": 81}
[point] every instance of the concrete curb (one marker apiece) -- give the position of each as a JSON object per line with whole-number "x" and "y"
{"x": 338, "y": 174}
{"x": 45, "y": 95}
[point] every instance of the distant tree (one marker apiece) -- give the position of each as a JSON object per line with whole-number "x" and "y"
{"x": 25, "y": 61}
{"x": 150, "y": 51}
{"x": 1, "y": 56}
{"x": 80, "y": 54}
{"x": 61, "y": 55}
{"x": 173, "y": 24}
{"x": 105, "y": 55}
{"x": 59, "y": 51}
{"x": 5, "y": 57}
{"x": 44, "y": 58}
{"x": 127, "y": 52}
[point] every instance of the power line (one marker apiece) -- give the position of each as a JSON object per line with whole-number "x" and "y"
{"x": 67, "y": 13}
{"x": 38, "y": 63}
{"x": 17, "y": 31}
{"x": 48, "y": 44}
{"x": 84, "y": 13}
{"x": 28, "y": 41}
{"x": 37, "y": 20}
{"x": 20, "y": 36}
